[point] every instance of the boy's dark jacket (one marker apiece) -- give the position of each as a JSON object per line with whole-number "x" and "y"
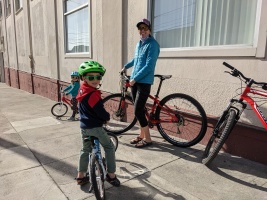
{"x": 91, "y": 108}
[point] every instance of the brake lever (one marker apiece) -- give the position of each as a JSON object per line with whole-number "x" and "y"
{"x": 233, "y": 73}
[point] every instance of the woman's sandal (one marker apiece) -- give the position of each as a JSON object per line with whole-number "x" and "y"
{"x": 136, "y": 140}
{"x": 142, "y": 144}
{"x": 82, "y": 181}
{"x": 113, "y": 181}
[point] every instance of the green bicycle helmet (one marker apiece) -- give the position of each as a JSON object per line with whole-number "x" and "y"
{"x": 91, "y": 66}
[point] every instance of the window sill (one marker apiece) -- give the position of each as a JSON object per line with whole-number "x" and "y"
{"x": 77, "y": 55}
{"x": 240, "y": 51}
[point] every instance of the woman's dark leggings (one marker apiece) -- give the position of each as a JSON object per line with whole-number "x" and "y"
{"x": 140, "y": 92}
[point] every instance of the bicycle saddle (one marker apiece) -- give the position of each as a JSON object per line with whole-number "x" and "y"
{"x": 163, "y": 77}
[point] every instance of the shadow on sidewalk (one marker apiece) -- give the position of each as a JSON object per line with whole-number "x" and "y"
{"x": 145, "y": 190}
{"x": 237, "y": 164}
{"x": 5, "y": 143}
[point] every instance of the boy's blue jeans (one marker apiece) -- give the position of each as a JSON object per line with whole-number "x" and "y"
{"x": 106, "y": 143}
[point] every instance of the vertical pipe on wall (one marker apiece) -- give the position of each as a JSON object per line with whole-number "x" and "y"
{"x": 30, "y": 43}
{"x": 57, "y": 49}
{"x": 124, "y": 30}
{"x": 16, "y": 46}
{"x": 7, "y": 54}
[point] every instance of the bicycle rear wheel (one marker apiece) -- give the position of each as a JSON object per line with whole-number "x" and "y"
{"x": 218, "y": 138}
{"x": 97, "y": 178}
{"x": 183, "y": 121}
{"x": 59, "y": 109}
{"x": 121, "y": 111}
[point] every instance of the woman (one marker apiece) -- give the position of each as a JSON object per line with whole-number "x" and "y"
{"x": 142, "y": 77}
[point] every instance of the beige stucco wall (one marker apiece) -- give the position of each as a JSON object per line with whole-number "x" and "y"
{"x": 203, "y": 77}
{"x": 113, "y": 39}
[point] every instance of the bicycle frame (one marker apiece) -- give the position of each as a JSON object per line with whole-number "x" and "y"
{"x": 245, "y": 97}
{"x": 66, "y": 100}
{"x": 252, "y": 103}
{"x": 156, "y": 103}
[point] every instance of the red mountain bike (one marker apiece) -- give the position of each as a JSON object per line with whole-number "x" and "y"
{"x": 232, "y": 114}
{"x": 179, "y": 118}
{"x": 60, "y": 108}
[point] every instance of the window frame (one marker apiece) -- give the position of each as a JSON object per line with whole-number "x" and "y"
{"x": 7, "y": 8}
{"x": 257, "y": 50}
{"x": 18, "y": 9}
{"x": 78, "y": 54}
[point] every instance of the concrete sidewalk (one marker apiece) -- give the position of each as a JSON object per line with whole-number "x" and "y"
{"x": 39, "y": 156}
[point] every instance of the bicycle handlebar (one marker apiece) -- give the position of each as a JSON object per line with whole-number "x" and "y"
{"x": 236, "y": 73}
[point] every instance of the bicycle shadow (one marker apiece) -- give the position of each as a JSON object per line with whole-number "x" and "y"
{"x": 161, "y": 145}
{"x": 145, "y": 188}
{"x": 236, "y": 166}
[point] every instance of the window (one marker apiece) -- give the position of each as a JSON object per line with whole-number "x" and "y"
{"x": 204, "y": 23}
{"x": 18, "y": 4}
{"x": 8, "y": 8}
{"x": 77, "y": 35}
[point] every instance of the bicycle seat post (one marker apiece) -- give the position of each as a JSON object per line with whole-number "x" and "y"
{"x": 159, "y": 87}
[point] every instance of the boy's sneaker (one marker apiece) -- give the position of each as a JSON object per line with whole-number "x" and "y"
{"x": 113, "y": 181}
{"x": 71, "y": 118}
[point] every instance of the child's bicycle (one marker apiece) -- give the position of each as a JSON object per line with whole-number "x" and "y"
{"x": 179, "y": 118}
{"x": 60, "y": 108}
{"x": 232, "y": 113}
{"x": 97, "y": 166}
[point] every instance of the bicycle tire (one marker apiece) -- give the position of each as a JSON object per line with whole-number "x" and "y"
{"x": 121, "y": 119}
{"x": 97, "y": 178}
{"x": 59, "y": 109}
{"x": 224, "y": 127}
{"x": 192, "y": 124}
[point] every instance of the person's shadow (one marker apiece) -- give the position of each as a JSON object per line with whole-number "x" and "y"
{"x": 146, "y": 190}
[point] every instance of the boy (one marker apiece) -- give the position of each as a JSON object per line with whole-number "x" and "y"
{"x": 92, "y": 117}
{"x": 73, "y": 89}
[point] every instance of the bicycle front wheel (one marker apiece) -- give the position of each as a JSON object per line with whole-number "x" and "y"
{"x": 219, "y": 136}
{"x": 182, "y": 120}
{"x": 97, "y": 178}
{"x": 121, "y": 112}
{"x": 59, "y": 109}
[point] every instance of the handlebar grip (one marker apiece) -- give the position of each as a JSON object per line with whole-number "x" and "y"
{"x": 227, "y": 65}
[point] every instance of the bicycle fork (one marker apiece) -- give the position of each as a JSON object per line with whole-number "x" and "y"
{"x": 239, "y": 111}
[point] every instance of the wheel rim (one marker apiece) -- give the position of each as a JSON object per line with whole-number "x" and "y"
{"x": 215, "y": 138}
{"x": 99, "y": 181}
{"x": 187, "y": 122}
{"x": 120, "y": 119}
{"x": 59, "y": 109}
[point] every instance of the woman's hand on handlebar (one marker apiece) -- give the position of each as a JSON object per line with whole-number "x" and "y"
{"x": 132, "y": 82}
{"x": 123, "y": 70}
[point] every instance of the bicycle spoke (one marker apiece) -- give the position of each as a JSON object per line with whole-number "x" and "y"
{"x": 122, "y": 116}
{"x": 182, "y": 120}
